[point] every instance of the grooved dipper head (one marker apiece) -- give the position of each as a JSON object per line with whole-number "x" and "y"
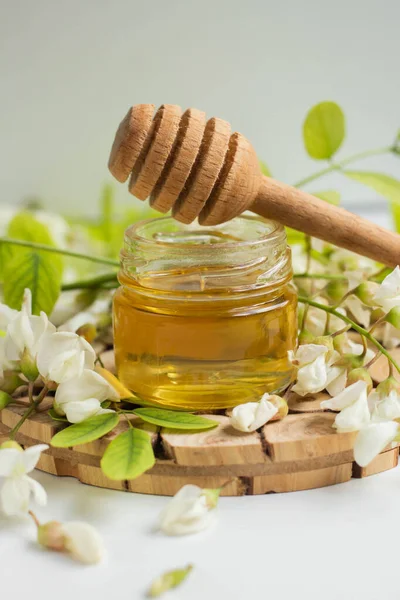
{"x": 196, "y": 168}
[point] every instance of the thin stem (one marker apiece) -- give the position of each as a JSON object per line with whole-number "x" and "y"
{"x": 94, "y": 282}
{"x": 30, "y": 391}
{"x": 343, "y": 163}
{"x": 337, "y": 333}
{"x": 372, "y": 361}
{"x": 358, "y": 328}
{"x": 33, "y": 406}
{"x": 34, "y": 517}
{"x": 377, "y": 323}
{"x": 44, "y": 248}
{"x": 22, "y": 420}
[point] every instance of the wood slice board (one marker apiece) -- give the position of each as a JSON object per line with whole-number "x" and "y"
{"x": 301, "y": 452}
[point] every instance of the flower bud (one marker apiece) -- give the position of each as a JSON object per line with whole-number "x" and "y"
{"x": 305, "y": 337}
{"x": 341, "y": 343}
{"x": 360, "y": 374}
{"x": 5, "y": 399}
{"x": 11, "y": 444}
{"x": 51, "y": 535}
{"x": 28, "y": 366}
{"x": 336, "y": 290}
{"x": 366, "y": 292}
{"x": 88, "y": 332}
{"x": 387, "y": 386}
{"x": 376, "y": 314}
{"x": 10, "y": 382}
{"x": 281, "y": 405}
{"x": 350, "y": 361}
{"x": 393, "y": 317}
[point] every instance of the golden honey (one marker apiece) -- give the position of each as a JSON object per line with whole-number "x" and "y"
{"x": 205, "y": 317}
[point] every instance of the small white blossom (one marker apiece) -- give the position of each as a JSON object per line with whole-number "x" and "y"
{"x": 372, "y": 439}
{"x": 386, "y": 408}
{"x": 253, "y": 415}
{"x": 316, "y": 319}
{"x": 18, "y": 488}
{"x": 80, "y": 540}
{"x": 189, "y": 511}
{"x": 352, "y": 403}
{"x": 25, "y": 331}
{"x": 83, "y": 542}
{"x": 63, "y": 356}
{"x": 81, "y": 397}
{"x": 388, "y": 295}
{"x": 310, "y": 360}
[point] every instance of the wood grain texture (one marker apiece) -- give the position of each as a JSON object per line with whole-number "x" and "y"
{"x": 180, "y": 161}
{"x": 155, "y": 153}
{"x": 300, "y": 452}
{"x": 129, "y": 140}
{"x": 302, "y": 211}
{"x": 379, "y": 371}
{"x": 163, "y": 158}
{"x": 205, "y": 171}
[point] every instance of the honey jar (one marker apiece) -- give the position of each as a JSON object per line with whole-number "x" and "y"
{"x": 205, "y": 316}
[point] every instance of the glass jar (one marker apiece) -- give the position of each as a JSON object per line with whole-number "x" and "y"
{"x": 205, "y": 316}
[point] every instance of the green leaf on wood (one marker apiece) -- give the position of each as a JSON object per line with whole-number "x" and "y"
{"x": 265, "y": 169}
{"x": 22, "y": 268}
{"x": 129, "y": 455}
{"x": 324, "y": 130}
{"x": 173, "y": 419}
{"x": 85, "y": 432}
{"x": 330, "y": 196}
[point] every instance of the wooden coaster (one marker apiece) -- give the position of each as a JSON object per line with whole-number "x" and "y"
{"x": 301, "y": 452}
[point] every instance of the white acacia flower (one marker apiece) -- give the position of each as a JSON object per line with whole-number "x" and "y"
{"x": 253, "y": 415}
{"x": 372, "y": 439}
{"x": 83, "y": 542}
{"x": 316, "y": 319}
{"x": 25, "y": 331}
{"x": 385, "y": 408}
{"x": 352, "y": 403}
{"x": 189, "y": 511}
{"x": 337, "y": 375}
{"x": 78, "y": 539}
{"x": 63, "y": 356}
{"x": 388, "y": 294}
{"x": 81, "y": 397}
{"x": 18, "y": 488}
{"x": 310, "y": 360}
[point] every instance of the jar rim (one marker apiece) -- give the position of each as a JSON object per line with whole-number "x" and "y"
{"x": 271, "y": 232}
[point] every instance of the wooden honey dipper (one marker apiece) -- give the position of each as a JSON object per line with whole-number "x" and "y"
{"x": 199, "y": 169}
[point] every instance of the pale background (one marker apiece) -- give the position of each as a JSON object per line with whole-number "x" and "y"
{"x": 69, "y": 70}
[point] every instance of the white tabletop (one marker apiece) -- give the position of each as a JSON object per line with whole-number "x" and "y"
{"x": 333, "y": 543}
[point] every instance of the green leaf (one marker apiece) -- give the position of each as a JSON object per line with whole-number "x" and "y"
{"x": 129, "y": 455}
{"x": 22, "y": 268}
{"x": 330, "y": 196}
{"x": 324, "y": 130}
{"x": 173, "y": 419}
{"x": 85, "y": 432}
{"x": 36, "y": 271}
{"x": 55, "y": 416}
{"x": 385, "y": 185}
{"x": 265, "y": 169}
{"x": 167, "y": 581}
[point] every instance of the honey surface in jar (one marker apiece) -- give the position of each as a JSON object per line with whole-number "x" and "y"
{"x": 207, "y": 334}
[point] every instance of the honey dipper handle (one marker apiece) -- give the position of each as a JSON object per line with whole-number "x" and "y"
{"x": 302, "y": 211}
